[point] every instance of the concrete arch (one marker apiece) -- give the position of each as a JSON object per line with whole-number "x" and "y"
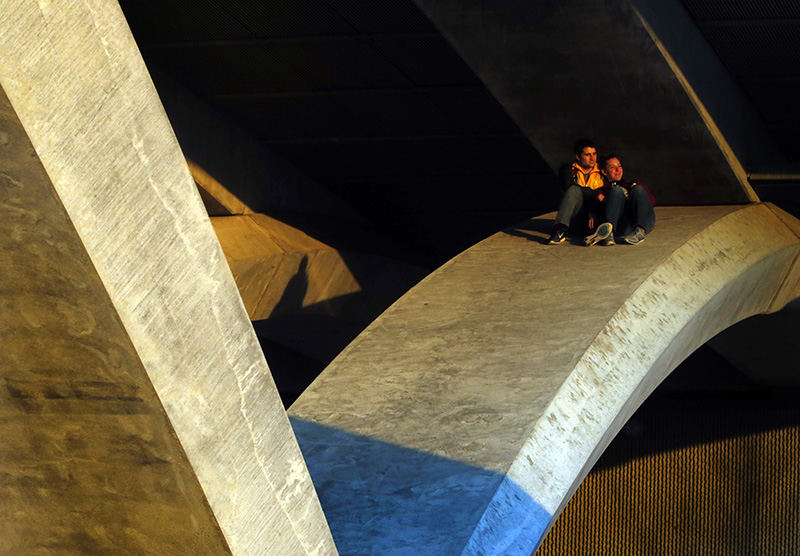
{"x": 732, "y": 270}
{"x": 487, "y": 392}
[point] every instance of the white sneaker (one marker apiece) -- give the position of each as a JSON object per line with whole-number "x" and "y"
{"x": 602, "y": 232}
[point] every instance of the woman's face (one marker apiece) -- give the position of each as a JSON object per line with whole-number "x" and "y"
{"x": 613, "y": 169}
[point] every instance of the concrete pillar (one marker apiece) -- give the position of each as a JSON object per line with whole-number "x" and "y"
{"x": 82, "y": 95}
{"x": 90, "y": 461}
{"x": 570, "y": 69}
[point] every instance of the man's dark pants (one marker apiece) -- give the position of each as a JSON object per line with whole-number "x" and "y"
{"x": 577, "y": 200}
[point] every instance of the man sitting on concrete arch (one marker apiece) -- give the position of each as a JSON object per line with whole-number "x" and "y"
{"x": 583, "y": 187}
{"x": 629, "y": 206}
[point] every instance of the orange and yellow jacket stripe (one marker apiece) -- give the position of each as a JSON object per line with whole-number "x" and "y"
{"x": 591, "y": 178}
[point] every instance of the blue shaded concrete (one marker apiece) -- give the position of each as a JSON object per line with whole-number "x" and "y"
{"x": 512, "y": 524}
{"x": 380, "y": 498}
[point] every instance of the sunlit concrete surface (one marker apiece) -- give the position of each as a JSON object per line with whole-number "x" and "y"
{"x": 216, "y": 197}
{"x": 278, "y": 268}
{"x": 281, "y": 271}
{"x": 88, "y": 458}
{"x": 464, "y": 417}
{"x": 81, "y": 92}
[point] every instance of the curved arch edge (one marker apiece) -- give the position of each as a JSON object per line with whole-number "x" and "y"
{"x": 744, "y": 264}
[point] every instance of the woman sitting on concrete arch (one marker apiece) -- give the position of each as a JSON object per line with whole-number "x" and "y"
{"x": 628, "y": 205}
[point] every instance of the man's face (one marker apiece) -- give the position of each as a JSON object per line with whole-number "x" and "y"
{"x": 587, "y": 158}
{"x": 613, "y": 169}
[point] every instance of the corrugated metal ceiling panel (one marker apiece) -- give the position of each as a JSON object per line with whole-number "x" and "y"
{"x": 210, "y": 69}
{"x": 427, "y": 59}
{"x": 285, "y": 18}
{"x": 756, "y": 48}
{"x": 703, "y": 10}
{"x": 341, "y": 63}
{"x": 382, "y": 17}
{"x": 172, "y": 21}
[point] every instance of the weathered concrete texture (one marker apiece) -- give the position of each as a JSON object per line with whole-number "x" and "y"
{"x": 569, "y": 69}
{"x": 523, "y": 360}
{"x": 89, "y": 462}
{"x": 75, "y": 79}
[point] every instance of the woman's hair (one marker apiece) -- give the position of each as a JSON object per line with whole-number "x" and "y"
{"x": 606, "y": 158}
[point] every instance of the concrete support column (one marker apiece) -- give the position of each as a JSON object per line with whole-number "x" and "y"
{"x": 570, "y": 69}
{"x": 82, "y": 95}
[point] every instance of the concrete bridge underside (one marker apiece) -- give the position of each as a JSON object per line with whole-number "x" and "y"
{"x": 488, "y": 391}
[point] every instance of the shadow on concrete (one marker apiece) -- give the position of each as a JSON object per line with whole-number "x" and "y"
{"x": 291, "y": 300}
{"x": 541, "y": 228}
{"x": 299, "y": 340}
{"x": 381, "y": 498}
{"x": 298, "y": 347}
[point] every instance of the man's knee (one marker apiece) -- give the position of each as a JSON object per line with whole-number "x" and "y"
{"x": 572, "y": 200}
{"x": 574, "y": 192}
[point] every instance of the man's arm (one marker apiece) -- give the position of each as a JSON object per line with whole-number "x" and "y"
{"x": 565, "y": 177}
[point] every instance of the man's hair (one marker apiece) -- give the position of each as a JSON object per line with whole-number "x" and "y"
{"x": 606, "y": 158}
{"x": 581, "y": 144}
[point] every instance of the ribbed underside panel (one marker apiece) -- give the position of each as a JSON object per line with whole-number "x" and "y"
{"x": 707, "y": 480}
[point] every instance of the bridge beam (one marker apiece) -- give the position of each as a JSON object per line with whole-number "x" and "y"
{"x": 569, "y": 69}
{"x": 488, "y": 391}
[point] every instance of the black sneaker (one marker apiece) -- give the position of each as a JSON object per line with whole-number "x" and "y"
{"x": 636, "y": 236}
{"x": 558, "y": 236}
{"x": 603, "y": 231}
{"x": 609, "y": 241}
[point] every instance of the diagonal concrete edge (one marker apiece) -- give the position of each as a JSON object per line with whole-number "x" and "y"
{"x": 570, "y": 69}
{"x": 496, "y": 382}
{"x": 75, "y": 78}
{"x": 726, "y": 105}
{"x": 218, "y": 200}
{"x": 714, "y": 130}
{"x": 90, "y": 463}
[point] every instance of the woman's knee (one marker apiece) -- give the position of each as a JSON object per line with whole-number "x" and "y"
{"x": 615, "y": 192}
{"x": 643, "y": 208}
{"x": 639, "y": 192}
